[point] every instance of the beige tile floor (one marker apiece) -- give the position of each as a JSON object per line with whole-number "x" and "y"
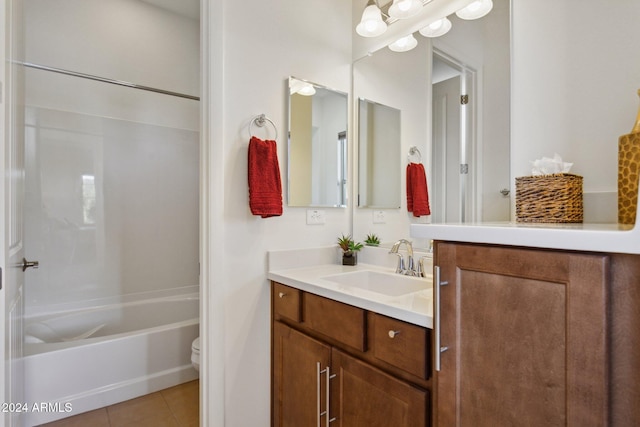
{"x": 176, "y": 407}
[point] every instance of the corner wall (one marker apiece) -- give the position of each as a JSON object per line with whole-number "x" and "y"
{"x": 575, "y": 77}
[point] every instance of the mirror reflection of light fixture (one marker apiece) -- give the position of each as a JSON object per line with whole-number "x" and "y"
{"x": 300, "y": 87}
{"x": 371, "y": 24}
{"x": 437, "y": 28}
{"x": 402, "y": 9}
{"x": 475, "y": 10}
{"x": 307, "y": 90}
{"x": 404, "y": 44}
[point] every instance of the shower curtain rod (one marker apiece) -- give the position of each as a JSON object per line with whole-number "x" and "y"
{"x": 111, "y": 81}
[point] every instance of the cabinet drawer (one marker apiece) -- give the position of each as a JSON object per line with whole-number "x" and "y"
{"x": 339, "y": 321}
{"x": 286, "y": 302}
{"x": 398, "y": 343}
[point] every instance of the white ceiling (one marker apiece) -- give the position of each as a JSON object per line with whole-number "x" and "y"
{"x": 188, "y": 8}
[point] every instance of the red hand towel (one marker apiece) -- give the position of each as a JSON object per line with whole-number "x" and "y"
{"x": 417, "y": 192}
{"x": 265, "y": 187}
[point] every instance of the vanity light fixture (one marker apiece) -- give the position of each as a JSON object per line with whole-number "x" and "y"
{"x": 371, "y": 24}
{"x": 475, "y": 10}
{"x": 404, "y": 44}
{"x": 402, "y": 9}
{"x": 437, "y": 28}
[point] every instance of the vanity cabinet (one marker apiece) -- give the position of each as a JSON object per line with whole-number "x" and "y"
{"x": 339, "y": 365}
{"x": 526, "y": 338}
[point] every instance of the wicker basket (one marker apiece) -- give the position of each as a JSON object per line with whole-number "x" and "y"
{"x": 549, "y": 198}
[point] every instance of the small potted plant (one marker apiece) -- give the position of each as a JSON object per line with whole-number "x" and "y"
{"x": 350, "y": 249}
{"x": 372, "y": 240}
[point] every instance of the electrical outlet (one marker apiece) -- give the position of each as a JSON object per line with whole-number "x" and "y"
{"x": 379, "y": 217}
{"x": 316, "y": 217}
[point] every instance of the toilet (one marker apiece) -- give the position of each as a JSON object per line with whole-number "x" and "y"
{"x": 195, "y": 354}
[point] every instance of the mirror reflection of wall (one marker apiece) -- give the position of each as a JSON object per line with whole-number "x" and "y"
{"x": 317, "y": 145}
{"x": 378, "y": 147}
{"x": 476, "y": 53}
{"x": 398, "y": 80}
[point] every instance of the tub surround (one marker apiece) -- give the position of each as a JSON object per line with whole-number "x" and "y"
{"x": 307, "y": 270}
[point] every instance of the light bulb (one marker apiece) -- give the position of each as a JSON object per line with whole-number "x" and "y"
{"x": 404, "y": 44}
{"x": 475, "y": 10}
{"x": 473, "y": 7}
{"x": 437, "y": 28}
{"x": 404, "y": 5}
{"x": 371, "y": 24}
{"x": 402, "y": 9}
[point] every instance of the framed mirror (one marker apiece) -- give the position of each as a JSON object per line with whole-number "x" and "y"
{"x": 379, "y": 172}
{"x": 317, "y": 166}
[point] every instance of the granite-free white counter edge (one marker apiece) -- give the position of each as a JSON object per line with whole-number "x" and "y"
{"x": 611, "y": 238}
{"x": 310, "y": 279}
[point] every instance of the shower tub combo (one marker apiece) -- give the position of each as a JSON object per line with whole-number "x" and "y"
{"x": 80, "y": 359}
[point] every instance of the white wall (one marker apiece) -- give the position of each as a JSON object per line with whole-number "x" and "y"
{"x": 575, "y": 76}
{"x": 263, "y": 43}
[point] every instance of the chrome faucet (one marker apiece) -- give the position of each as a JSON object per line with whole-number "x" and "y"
{"x": 404, "y": 268}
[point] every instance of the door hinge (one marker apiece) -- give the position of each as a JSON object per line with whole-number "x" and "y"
{"x": 464, "y": 99}
{"x": 464, "y": 168}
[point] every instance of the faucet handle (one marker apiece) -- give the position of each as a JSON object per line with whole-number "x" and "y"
{"x": 420, "y": 270}
{"x": 400, "y": 267}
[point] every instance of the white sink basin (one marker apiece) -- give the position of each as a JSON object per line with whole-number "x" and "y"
{"x": 389, "y": 284}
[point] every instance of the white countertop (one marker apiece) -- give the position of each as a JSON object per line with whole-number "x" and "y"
{"x": 614, "y": 238}
{"x": 416, "y": 307}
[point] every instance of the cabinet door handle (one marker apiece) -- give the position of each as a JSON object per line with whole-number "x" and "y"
{"x": 392, "y": 334}
{"x": 324, "y": 413}
{"x": 318, "y": 373}
{"x": 327, "y": 397}
{"x": 437, "y": 349}
{"x": 282, "y": 295}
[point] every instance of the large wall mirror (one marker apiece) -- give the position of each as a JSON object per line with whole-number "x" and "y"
{"x": 378, "y": 155}
{"x": 465, "y": 147}
{"x": 317, "y": 174}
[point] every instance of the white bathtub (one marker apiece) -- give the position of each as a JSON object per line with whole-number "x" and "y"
{"x": 89, "y": 358}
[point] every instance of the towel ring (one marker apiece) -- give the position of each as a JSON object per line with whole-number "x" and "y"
{"x": 413, "y": 151}
{"x": 260, "y": 122}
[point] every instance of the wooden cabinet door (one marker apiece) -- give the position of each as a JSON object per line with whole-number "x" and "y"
{"x": 363, "y": 396}
{"x": 526, "y": 332}
{"x": 296, "y": 386}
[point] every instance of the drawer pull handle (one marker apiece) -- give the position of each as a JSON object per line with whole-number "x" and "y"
{"x": 392, "y": 334}
{"x": 282, "y": 295}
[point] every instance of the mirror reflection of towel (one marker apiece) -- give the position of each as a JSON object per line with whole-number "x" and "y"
{"x": 417, "y": 192}
{"x": 265, "y": 186}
